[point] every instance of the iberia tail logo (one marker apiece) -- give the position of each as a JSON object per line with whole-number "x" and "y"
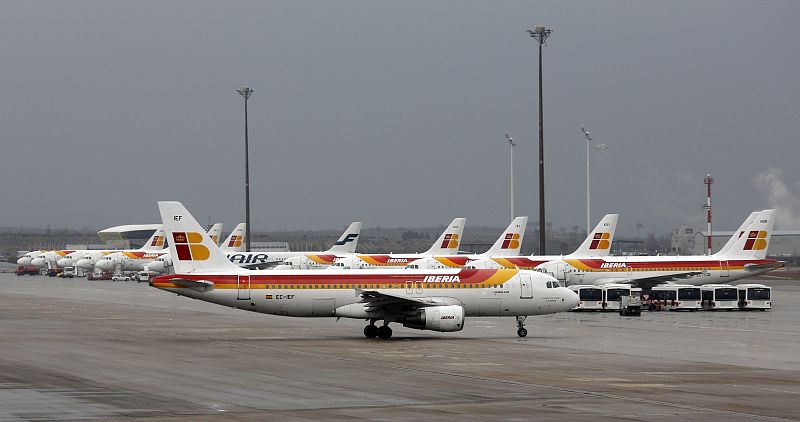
{"x": 214, "y": 238}
{"x": 189, "y": 246}
{"x": 600, "y": 241}
{"x": 450, "y": 241}
{"x": 756, "y": 240}
{"x": 236, "y": 241}
{"x": 158, "y": 241}
{"x": 511, "y": 241}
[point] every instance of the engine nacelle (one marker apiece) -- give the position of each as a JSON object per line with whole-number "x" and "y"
{"x": 437, "y": 318}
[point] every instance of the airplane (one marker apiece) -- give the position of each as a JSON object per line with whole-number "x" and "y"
{"x": 345, "y": 244}
{"x": 92, "y": 257}
{"x": 233, "y": 243}
{"x": 28, "y": 257}
{"x": 746, "y": 257}
{"x": 597, "y": 243}
{"x": 437, "y": 300}
{"x": 48, "y": 259}
{"x": 446, "y": 244}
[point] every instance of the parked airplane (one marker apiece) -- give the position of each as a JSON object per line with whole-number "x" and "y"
{"x": 233, "y": 243}
{"x": 88, "y": 260}
{"x": 446, "y": 244}
{"x": 597, "y": 243}
{"x": 214, "y": 232}
{"x": 746, "y": 257}
{"x": 27, "y": 258}
{"x": 436, "y": 300}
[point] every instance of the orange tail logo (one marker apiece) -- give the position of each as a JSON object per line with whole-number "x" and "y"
{"x": 236, "y": 241}
{"x": 158, "y": 241}
{"x": 756, "y": 240}
{"x": 511, "y": 241}
{"x": 189, "y": 246}
{"x": 450, "y": 241}
{"x": 600, "y": 241}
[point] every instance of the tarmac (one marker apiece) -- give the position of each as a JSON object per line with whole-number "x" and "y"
{"x": 98, "y": 350}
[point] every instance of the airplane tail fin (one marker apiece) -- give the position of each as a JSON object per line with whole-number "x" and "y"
{"x": 192, "y": 249}
{"x": 450, "y": 239}
{"x": 738, "y": 233}
{"x": 598, "y": 243}
{"x": 235, "y": 241}
{"x": 510, "y": 242}
{"x": 214, "y": 232}
{"x": 348, "y": 241}
{"x": 755, "y": 241}
{"x": 156, "y": 241}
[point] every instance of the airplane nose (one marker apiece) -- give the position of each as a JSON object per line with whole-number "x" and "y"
{"x": 85, "y": 264}
{"x": 24, "y": 261}
{"x": 570, "y": 298}
{"x": 64, "y": 262}
{"x": 105, "y": 264}
{"x": 37, "y": 262}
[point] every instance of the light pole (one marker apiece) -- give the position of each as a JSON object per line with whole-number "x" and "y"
{"x": 540, "y": 34}
{"x": 246, "y": 92}
{"x": 599, "y": 147}
{"x": 511, "y": 145}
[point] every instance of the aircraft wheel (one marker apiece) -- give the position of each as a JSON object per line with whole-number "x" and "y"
{"x": 522, "y": 332}
{"x": 384, "y": 332}
{"x": 371, "y": 331}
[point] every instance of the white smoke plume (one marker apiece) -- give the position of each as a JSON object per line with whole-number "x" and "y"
{"x": 783, "y": 198}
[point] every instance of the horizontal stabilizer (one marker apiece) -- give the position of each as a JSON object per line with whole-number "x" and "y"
{"x": 199, "y": 285}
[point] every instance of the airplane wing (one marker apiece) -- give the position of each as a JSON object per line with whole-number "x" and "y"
{"x": 649, "y": 282}
{"x": 767, "y": 266}
{"x": 199, "y": 285}
{"x": 376, "y": 300}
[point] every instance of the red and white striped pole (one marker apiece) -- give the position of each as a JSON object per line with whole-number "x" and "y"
{"x": 708, "y": 181}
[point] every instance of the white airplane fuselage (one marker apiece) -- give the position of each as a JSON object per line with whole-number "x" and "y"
{"x": 319, "y": 293}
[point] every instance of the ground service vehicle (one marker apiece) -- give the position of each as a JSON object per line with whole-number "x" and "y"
{"x": 612, "y": 294}
{"x": 675, "y": 297}
{"x": 631, "y": 305}
{"x": 719, "y": 297}
{"x": 755, "y": 296}
{"x": 590, "y": 296}
{"x": 27, "y": 269}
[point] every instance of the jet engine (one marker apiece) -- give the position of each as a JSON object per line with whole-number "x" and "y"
{"x": 437, "y": 318}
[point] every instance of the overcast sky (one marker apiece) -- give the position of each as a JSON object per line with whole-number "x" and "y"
{"x": 394, "y": 113}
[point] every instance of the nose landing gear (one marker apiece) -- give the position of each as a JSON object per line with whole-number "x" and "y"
{"x": 521, "y": 331}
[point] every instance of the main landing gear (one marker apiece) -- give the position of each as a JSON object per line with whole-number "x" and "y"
{"x": 521, "y": 331}
{"x": 383, "y": 332}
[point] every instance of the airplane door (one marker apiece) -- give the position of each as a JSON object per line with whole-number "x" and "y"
{"x": 418, "y": 288}
{"x": 525, "y": 286}
{"x": 561, "y": 270}
{"x": 724, "y": 269}
{"x": 409, "y": 287}
{"x": 243, "y": 290}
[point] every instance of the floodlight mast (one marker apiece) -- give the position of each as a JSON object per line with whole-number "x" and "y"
{"x": 246, "y": 92}
{"x": 511, "y": 145}
{"x": 540, "y": 34}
